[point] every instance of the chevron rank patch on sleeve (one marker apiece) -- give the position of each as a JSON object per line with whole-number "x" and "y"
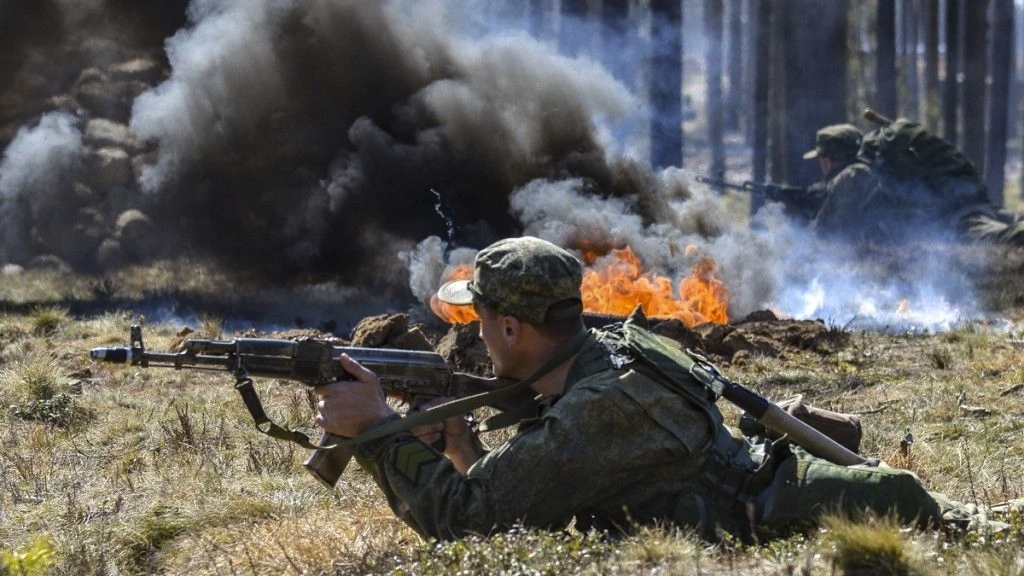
{"x": 411, "y": 456}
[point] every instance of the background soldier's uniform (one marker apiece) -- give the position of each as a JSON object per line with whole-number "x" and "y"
{"x": 853, "y": 202}
{"x": 852, "y": 196}
{"x": 900, "y": 182}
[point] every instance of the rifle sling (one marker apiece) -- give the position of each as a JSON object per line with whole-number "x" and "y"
{"x": 243, "y": 383}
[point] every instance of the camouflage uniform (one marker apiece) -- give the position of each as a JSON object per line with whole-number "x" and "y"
{"x": 623, "y": 447}
{"x": 931, "y": 187}
{"x": 616, "y": 447}
{"x": 632, "y": 439}
{"x": 853, "y": 200}
{"x": 851, "y": 193}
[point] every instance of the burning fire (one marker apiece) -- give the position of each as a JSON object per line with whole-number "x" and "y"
{"x": 620, "y": 284}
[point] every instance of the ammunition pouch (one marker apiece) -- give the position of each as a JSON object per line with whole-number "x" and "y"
{"x": 724, "y": 500}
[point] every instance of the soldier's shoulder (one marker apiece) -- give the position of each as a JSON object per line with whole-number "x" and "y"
{"x": 857, "y": 173}
{"x": 858, "y": 169}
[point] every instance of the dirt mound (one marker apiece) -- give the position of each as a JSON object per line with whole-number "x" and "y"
{"x": 761, "y": 334}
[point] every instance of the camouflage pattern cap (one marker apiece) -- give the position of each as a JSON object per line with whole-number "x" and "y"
{"x": 529, "y": 278}
{"x": 839, "y": 141}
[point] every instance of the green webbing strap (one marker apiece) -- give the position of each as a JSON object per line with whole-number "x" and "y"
{"x": 469, "y": 403}
{"x": 510, "y": 417}
{"x": 243, "y": 383}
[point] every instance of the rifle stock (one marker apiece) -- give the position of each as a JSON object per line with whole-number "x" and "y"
{"x": 412, "y": 376}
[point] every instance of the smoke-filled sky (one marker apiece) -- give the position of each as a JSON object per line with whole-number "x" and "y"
{"x": 372, "y": 143}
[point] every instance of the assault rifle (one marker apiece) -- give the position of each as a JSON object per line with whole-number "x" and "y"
{"x": 774, "y": 192}
{"x": 412, "y": 376}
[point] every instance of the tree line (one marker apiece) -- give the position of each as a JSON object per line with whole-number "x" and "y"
{"x": 774, "y": 71}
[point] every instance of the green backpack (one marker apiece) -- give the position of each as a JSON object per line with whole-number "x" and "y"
{"x": 920, "y": 170}
{"x": 904, "y": 150}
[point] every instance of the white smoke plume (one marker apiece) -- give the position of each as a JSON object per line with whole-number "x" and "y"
{"x": 34, "y": 181}
{"x": 225, "y": 78}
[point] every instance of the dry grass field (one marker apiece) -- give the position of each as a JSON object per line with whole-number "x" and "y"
{"x": 122, "y": 470}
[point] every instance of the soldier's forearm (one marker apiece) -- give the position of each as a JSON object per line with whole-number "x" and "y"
{"x": 463, "y": 451}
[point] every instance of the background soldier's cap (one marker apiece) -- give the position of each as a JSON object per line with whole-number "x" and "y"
{"x": 836, "y": 141}
{"x": 529, "y": 278}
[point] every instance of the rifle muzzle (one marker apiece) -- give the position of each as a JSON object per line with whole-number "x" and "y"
{"x": 112, "y": 355}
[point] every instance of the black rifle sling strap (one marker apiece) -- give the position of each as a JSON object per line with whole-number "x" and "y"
{"x": 243, "y": 383}
{"x": 469, "y": 403}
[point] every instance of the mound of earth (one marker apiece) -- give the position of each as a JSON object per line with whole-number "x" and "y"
{"x": 760, "y": 334}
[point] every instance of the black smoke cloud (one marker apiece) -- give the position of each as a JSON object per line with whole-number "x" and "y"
{"x": 327, "y": 136}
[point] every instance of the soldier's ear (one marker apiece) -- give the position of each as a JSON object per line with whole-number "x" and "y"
{"x": 510, "y": 327}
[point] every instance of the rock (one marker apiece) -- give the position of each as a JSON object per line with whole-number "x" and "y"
{"x": 753, "y": 344}
{"x": 414, "y": 339}
{"x": 142, "y": 69}
{"x": 103, "y": 133}
{"x": 109, "y": 167}
{"x": 110, "y": 255}
{"x": 676, "y": 330}
{"x": 137, "y": 235}
{"x": 49, "y": 262}
{"x": 759, "y": 316}
{"x": 802, "y": 334}
{"x": 462, "y": 348}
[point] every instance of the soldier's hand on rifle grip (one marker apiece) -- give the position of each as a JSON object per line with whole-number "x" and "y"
{"x": 453, "y": 436}
{"x": 433, "y": 433}
{"x": 348, "y": 407}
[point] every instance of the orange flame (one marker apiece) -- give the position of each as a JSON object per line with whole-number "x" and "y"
{"x": 620, "y": 285}
{"x": 903, "y": 308}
